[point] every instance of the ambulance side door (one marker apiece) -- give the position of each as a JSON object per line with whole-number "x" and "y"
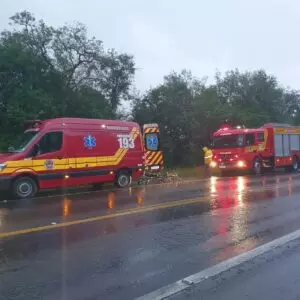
{"x": 48, "y": 158}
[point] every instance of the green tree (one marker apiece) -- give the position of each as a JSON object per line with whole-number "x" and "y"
{"x": 254, "y": 97}
{"x": 189, "y": 111}
{"x": 48, "y": 72}
{"x": 172, "y": 105}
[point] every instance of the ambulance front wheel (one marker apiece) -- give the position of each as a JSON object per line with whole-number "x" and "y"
{"x": 123, "y": 179}
{"x": 24, "y": 187}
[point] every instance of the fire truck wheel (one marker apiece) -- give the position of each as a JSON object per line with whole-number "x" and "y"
{"x": 24, "y": 187}
{"x": 257, "y": 166}
{"x": 123, "y": 179}
{"x": 295, "y": 166}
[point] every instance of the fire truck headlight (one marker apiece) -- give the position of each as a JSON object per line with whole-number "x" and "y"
{"x": 2, "y": 167}
{"x": 241, "y": 164}
{"x": 213, "y": 164}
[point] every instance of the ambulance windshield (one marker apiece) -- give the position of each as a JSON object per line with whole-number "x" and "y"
{"x": 21, "y": 142}
{"x": 228, "y": 141}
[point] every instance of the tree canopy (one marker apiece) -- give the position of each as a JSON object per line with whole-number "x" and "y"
{"x": 189, "y": 111}
{"x": 48, "y": 72}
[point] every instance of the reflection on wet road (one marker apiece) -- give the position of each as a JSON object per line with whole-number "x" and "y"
{"x": 115, "y": 244}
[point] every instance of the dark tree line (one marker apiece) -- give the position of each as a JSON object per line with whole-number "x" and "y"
{"x": 189, "y": 111}
{"x": 48, "y": 72}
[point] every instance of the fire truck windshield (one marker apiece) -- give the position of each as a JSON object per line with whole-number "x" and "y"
{"x": 228, "y": 141}
{"x": 23, "y": 141}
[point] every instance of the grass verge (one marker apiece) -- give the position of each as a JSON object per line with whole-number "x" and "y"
{"x": 189, "y": 172}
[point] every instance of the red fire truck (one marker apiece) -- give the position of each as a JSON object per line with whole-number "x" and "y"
{"x": 271, "y": 146}
{"x": 71, "y": 151}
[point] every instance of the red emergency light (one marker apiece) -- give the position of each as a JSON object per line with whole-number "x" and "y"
{"x": 224, "y": 127}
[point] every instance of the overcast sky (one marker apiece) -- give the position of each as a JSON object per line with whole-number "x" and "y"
{"x": 202, "y": 36}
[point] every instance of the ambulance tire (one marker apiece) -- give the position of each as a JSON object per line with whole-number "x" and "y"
{"x": 123, "y": 179}
{"x": 257, "y": 168}
{"x": 24, "y": 187}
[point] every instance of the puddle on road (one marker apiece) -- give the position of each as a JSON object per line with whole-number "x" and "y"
{"x": 233, "y": 235}
{"x": 230, "y": 200}
{"x": 224, "y": 193}
{"x": 68, "y": 206}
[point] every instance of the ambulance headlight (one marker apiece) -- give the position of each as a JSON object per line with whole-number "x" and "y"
{"x": 2, "y": 167}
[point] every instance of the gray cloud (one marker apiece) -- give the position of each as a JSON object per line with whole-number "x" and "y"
{"x": 202, "y": 36}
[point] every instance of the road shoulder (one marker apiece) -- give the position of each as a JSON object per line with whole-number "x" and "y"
{"x": 272, "y": 275}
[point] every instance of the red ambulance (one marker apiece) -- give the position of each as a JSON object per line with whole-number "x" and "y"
{"x": 67, "y": 152}
{"x": 270, "y": 146}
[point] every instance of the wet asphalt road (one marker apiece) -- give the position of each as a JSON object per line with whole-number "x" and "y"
{"x": 274, "y": 275}
{"x": 121, "y": 244}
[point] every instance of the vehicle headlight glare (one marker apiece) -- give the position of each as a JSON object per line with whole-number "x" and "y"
{"x": 213, "y": 164}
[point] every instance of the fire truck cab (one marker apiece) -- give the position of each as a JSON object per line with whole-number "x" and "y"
{"x": 271, "y": 146}
{"x": 67, "y": 152}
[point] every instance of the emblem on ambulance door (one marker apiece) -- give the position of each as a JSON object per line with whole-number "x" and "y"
{"x": 153, "y": 141}
{"x": 49, "y": 164}
{"x": 89, "y": 142}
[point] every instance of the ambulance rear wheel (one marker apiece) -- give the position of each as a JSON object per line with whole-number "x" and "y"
{"x": 123, "y": 179}
{"x": 24, "y": 187}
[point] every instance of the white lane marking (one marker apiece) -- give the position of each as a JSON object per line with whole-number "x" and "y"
{"x": 180, "y": 285}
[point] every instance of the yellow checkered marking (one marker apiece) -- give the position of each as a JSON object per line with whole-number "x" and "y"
{"x": 153, "y": 158}
{"x": 151, "y": 130}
